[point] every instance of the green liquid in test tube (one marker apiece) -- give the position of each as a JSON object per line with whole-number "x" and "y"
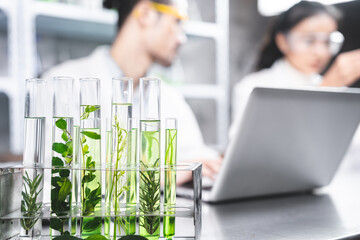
{"x": 170, "y": 177}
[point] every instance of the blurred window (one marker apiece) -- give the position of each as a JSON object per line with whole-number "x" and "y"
{"x": 270, "y": 8}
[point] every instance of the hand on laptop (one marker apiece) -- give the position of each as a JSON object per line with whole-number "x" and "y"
{"x": 210, "y": 169}
{"x": 344, "y": 71}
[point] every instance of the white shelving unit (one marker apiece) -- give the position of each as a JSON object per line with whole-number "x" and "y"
{"x": 10, "y": 84}
{"x": 73, "y": 12}
{"x": 219, "y": 32}
{"x": 4, "y": 5}
{"x": 69, "y": 20}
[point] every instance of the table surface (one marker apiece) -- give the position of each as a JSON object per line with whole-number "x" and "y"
{"x": 332, "y": 212}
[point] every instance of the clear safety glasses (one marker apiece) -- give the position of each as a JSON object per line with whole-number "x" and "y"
{"x": 330, "y": 42}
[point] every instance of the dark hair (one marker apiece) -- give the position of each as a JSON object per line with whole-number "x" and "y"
{"x": 125, "y": 7}
{"x": 269, "y": 51}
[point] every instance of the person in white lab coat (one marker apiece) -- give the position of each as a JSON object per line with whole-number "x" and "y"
{"x": 299, "y": 46}
{"x": 148, "y": 32}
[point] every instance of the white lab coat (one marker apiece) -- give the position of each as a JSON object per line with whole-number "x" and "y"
{"x": 99, "y": 64}
{"x": 280, "y": 74}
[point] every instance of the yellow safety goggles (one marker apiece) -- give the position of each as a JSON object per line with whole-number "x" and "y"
{"x": 167, "y": 9}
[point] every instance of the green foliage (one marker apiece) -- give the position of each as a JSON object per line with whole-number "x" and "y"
{"x": 92, "y": 135}
{"x": 64, "y": 190}
{"x": 61, "y": 123}
{"x": 64, "y": 136}
{"x": 61, "y": 184}
{"x": 170, "y": 148}
{"x": 92, "y": 225}
{"x": 90, "y": 199}
{"x": 64, "y": 173}
{"x": 29, "y": 206}
{"x": 56, "y": 224}
{"x": 96, "y": 237}
{"x": 150, "y": 197}
{"x": 57, "y": 162}
{"x": 88, "y": 109}
{"x": 117, "y": 185}
{"x": 65, "y": 237}
{"x": 59, "y": 147}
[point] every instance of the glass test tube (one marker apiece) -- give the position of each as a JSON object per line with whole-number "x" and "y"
{"x": 33, "y": 158}
{"x": 170, "y": 177}
{"x": 122, "y": 99}
{"x": 90, "y": 134}
{"x": 62, "y": 155}
{"x": 149, "y": 192}
{"x": 76, "y": 164}
{"x": 108, "y": 177}
{"x": 132, "y": 184}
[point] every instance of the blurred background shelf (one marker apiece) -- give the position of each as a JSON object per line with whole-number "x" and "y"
{"x": 41, "y": 34}
{"x": 4, "y": 5}
{"x": 10, "y": 83}
{"x": 36, "y": 35}
{"x": 53, "y": 22}
{"x": 202, "y": 29}
{"x": 74, "y": 12}
{"x": 78, "y": 22}
{"x": 71, "y": 21}
{"x": 74, "y": 28}
{"x": 6, "y": 86}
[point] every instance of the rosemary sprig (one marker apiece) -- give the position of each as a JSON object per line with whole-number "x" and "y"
{"x": 150, "y": 196}
{"x": 29, "y": 205}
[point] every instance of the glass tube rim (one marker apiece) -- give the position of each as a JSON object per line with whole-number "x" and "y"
{"x": 61, "y": 78}
{"x": 88, "y": 79}
{"x": 133, "y": 122}
{"x": 36, "y": 80}
{"x": 133, "y": 119}
{"x": 123, "y": 79}
{"x": 171, "y": 123}
{"x": 171, "y": 119}
{"x": 150, "y": 79}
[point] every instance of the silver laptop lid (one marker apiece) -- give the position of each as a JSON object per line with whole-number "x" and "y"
{"x": 288, "y": 140}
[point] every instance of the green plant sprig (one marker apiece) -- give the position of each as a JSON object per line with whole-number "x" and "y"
{"x": 150, "y": 197}
{"x": 170, "y": 148}
{"x": 29, "y": 207}
{"x": 88, "y": 109}
{"x": 89, "y": 198}
{"x": 61, "y": 184}
{"x": 169, "y": 156}
{"x": 117, "y": 178}
{"x": 121, "y": 135}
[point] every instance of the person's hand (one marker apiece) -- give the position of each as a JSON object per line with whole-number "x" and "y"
{"x": 344, "y": 71}
{"x": 210, "y": 169}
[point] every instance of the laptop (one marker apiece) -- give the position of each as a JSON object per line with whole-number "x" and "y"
{"x": 288, "y": 140}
